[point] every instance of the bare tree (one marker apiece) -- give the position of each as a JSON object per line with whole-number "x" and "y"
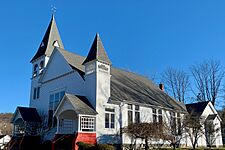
{"x": 145, "y": 131}
{"x": 174, "y": 132}
{"x": 177, "y": 83}
{"x": 208, "y": 76}
{"x": 194, "y": 129}
{"x": 212, "y": 132}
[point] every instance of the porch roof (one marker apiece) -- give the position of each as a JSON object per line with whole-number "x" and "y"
{"x": 27, "y": 114}
{"x": 80, "y": 104}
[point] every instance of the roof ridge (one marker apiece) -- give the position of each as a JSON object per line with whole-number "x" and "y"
{"x": 198, "y": 102}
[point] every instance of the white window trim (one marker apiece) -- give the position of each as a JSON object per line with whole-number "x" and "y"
{"x": 110, "y": 115}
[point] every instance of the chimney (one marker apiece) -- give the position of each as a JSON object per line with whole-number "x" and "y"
{"x": 161, "y": 86}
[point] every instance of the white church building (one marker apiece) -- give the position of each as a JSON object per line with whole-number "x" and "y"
{"x": 86, "y": 98}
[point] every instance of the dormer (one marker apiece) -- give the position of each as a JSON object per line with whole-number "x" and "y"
{"x": 50, "y": 40}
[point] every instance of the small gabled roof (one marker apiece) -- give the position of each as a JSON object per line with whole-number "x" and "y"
{"x": 196, "y": 109}
{"x": 97, "y": 52}
{"x": 29, "y": 114}
{"x": 80, "y": 104}
{"x": 51, "y": 35}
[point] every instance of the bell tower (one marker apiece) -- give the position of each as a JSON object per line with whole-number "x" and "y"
{"x": 39, "y": 61}
{"x": 97, "y": 74}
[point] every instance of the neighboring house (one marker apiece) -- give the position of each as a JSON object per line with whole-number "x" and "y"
{"x": 86, "y": 98}
{"x": 211, "y": 123}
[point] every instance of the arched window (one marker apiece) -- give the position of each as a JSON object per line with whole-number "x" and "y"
{"x": 35, "y": 70}
{"x": 41, "y": 66}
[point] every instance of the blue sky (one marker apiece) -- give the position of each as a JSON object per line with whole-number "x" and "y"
{"x": 140, "y": 35}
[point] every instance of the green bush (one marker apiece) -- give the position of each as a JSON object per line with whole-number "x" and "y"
{"x": 105, "y": 147}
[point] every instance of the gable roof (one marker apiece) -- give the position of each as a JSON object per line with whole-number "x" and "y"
{"x": 29, "y": 114}
{"x": 80, "y": 104}
{"x": 51, "y": 35}
{"x": 129, "y": 87}
{"x": 97, "y": 52}
{"x": 196, "y": 109}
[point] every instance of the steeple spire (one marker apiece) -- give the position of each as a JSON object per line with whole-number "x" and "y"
{"x": 97, "y": 52}
{"x": 49, "y": 41}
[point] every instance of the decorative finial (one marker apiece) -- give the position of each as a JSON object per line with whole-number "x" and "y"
{"x": 53, "y": 10}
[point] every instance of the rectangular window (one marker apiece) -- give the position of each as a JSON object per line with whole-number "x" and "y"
{"x": 129, "y": 106}
{"x": 106, "y": 120}
{"x": 173, "y": 122}
{"x": 160, "y": 118}
{"x": 137, "y": 107}
{"x": 109, "y": 118}
{"x": 137, "y": 114}
{"x": 130, "y": 117}
{"x": 34, "y": 93}
{"x": 154, "y": 115}
{"x": 54, "y": 100}
{"x": 179, "y": 124}
{"x": 87, "y": 124}
{"x": 137, "y": 117}
{"x": 112, "y": 120}
{"x": 38, "y": 92}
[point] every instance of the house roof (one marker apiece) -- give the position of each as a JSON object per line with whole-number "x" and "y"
{"x": 196, "y": 109}
{"x": 129, "y": 87}
{"x": 97, "y": 52}
{"x": 81, "y": 104}
{"x": 138, "y": 89}
{"x": 29, "y": 114}
{"x": 51, "y": 35}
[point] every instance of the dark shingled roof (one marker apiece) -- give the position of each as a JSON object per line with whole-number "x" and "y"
{"x": 130, "y": 87}
{"x": 29, "y": 114}
{"x": 81, "y": 104}
{"x": 51, "y": 35}
{"x": 196, "y": 109}
{"x": 138, "y": 89}
{"x": 73, "y": 59}
{"x": 97, "y": 52}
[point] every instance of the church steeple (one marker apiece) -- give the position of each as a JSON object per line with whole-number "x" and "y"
{"x": 50, "y": 40}
{"x": 97, "y": 52}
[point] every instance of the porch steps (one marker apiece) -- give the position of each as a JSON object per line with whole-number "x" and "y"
{"x": 63, "y": 142}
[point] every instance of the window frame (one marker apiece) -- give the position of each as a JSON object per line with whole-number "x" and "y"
{"x": 87, "y": 124}
{"x": 35, "y": 70}
{"x": 157, "y": 115}
{"x": 110, "y": 114}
